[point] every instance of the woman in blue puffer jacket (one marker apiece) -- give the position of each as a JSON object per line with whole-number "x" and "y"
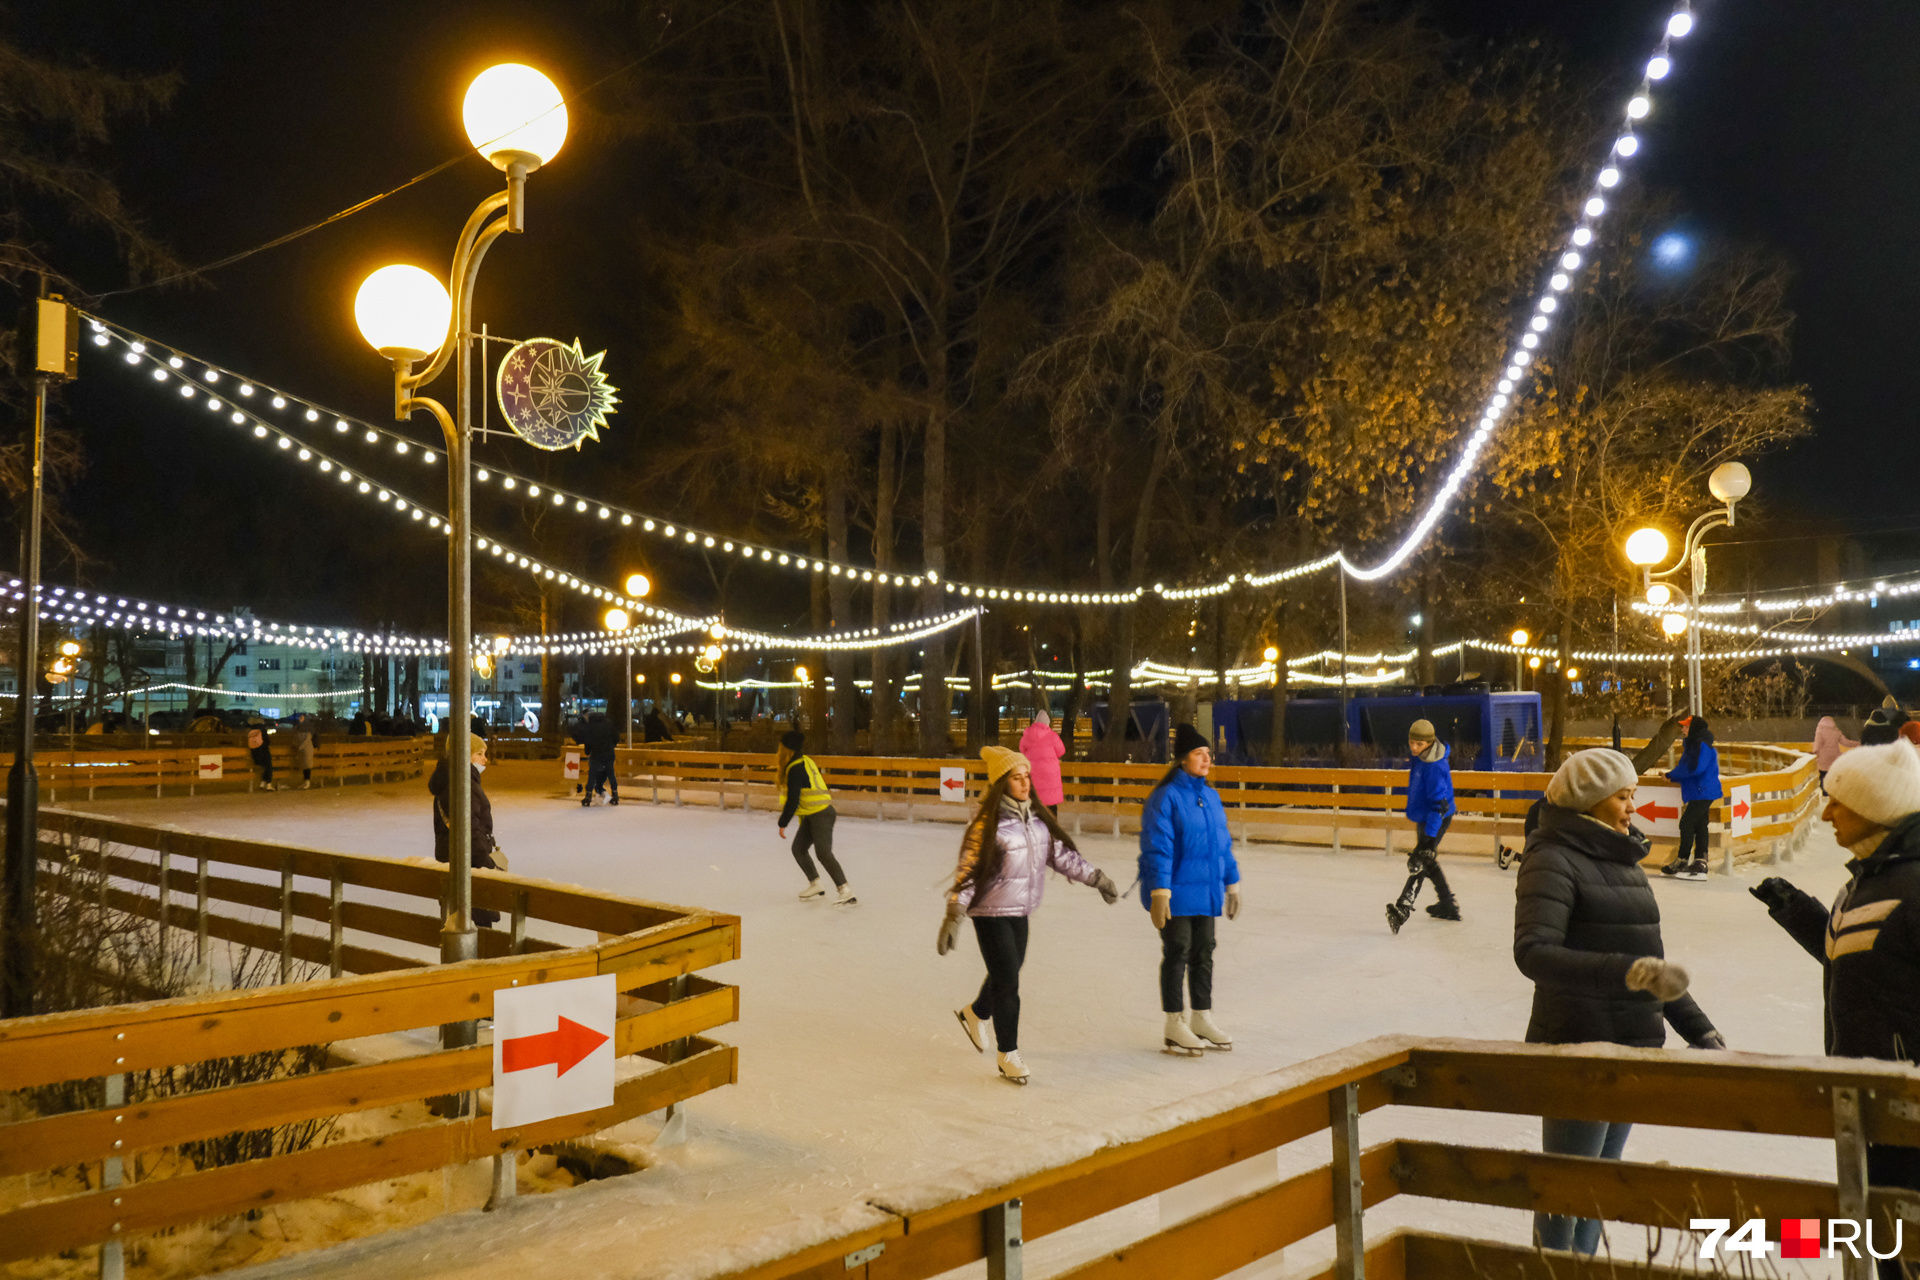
{"x": 1187, "y": 877}
{"x": 1698, "y": 774}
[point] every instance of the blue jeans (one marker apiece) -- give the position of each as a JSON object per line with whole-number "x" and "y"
{"x": 1576, "y": 1138}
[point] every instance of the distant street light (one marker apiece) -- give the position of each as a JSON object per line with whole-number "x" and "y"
{"x": 1730, "y": 482}
{"x": 619, "y": 619}
{"x": 1674, "y": 623}
{"x": 1646, "y": 546}
{"x": 1519, "y": 638}
{"x": 638, "y": 584}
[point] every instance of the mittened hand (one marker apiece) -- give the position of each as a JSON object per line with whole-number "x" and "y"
{"x": 1103, "y": 883}
{"x": 949, "y": 931}
{"x": 1663, "y": 978}
{"x": 1711, "y": 1040}
{"x": 1162, "y": 907}
{"x": 1773, "y": 891}
{"x": 1233, "y": 901}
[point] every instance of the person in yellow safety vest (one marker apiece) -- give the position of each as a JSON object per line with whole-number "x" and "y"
{"x": 809, "y": 800}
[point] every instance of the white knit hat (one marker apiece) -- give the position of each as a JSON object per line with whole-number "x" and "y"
{"x": 1881, "y": 784}
{"x": 1587, "y": 777}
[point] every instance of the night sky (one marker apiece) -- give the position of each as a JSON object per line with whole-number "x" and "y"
{"x": 1797, "y": 124}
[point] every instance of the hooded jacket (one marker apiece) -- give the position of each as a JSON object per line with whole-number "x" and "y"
{"x": 1430, "y": 789}
{"x": 1584, "y": 912}
{"x": 1828, "y": 743}
{"x": 1042, "y": 748}
{"x": 1869, "y": 943}
{"x": 1022, "y": 879}
{"x": 1701, "y": 779}
{"x": 1185, "y": 846}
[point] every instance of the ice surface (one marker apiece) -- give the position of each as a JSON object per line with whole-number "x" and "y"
{"x": 857, "y": 1083}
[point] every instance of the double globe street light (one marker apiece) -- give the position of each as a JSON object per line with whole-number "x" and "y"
{"x": 1730, "y": 482}
{"x": 619, "y": 620}
{"x": 515, "y": 118}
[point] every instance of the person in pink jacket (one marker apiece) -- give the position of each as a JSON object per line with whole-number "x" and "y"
{"x": 1043, "y": 749}
{"x": 1828, "y": 743}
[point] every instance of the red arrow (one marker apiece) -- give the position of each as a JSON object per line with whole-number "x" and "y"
{"x": 951, "y": 783}
{"x": 563, "y": 1047}
{"x": 1742, "y": 809}
{"x": 1654, "y": 812}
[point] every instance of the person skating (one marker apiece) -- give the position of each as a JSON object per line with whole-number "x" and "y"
{"x": 1430, "y": 808}
{"x": 1586, "y": 931}
{"x": 261, "y": 752}
{"x": 809, "y": 800}
{"x": 1698, "y": 774}
{"x": 1828, "y": 745}
{"x": 299, "y": 737}
{"x": 1188, "y": 876}
{"x": 1002, "y": 874}
{"x": 598, "y": 739}
{"x": 483, "y": 846}
{"x": 1869, "y": 942}
{"x": 1043, "y": 748}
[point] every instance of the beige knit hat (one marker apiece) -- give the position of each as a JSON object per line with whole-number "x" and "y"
{"x": 1881, "y": 784}
{"x": 1421, "y": 730}
{"x": 1587, "y": 777}
{"x": 1001, "y": 761}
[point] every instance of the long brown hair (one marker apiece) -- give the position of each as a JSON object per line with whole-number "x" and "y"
{"x": 984, "y": 826}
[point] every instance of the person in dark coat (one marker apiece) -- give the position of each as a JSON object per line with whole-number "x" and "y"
{"x": 1430, "y": 809}
{"x": 655, "y": 726}
{"x": 1869, "y": 942}
{"x": 598, "y": 737}
{"x": 1586, "y": 930}
{"x": 483, "y": 842}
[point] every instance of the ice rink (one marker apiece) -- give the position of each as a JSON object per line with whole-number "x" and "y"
{"x": 855, "y": 1077}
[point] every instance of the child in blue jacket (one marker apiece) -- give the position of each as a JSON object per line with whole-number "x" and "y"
{"x": 1430, "y": 809}
{"x": 1698, "y": 774}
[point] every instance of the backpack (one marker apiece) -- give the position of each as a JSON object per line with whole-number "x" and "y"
{"x": 256, "y": 739}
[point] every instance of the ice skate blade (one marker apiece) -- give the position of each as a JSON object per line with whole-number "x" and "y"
{"x": 1216, "y": 1048}
{"x": 1396, "y": 917}
{"x": 1181, "y": 1051}
{"x": 846, "y": 902}
{"x": 1019, "y": 1080}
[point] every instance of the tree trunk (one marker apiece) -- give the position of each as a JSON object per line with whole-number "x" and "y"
{"x": 549, "y": 663}
{"x": 880, "y": 736}
{"x": 1557, "y": 694}
{"x": 1219, "y": 625}
{"x": 845, "y": 662}
{"x": 1120, "y": 696}
{"x": 934, "y": 703}
{"x": 1425, "y": 672}
{"x": 1277, "y": 731}
{"x": 1077, "y": 694}
{"x": 816, "y": 691}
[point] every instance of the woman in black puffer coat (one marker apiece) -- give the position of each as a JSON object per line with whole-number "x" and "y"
{"x": 1586, "y": 930}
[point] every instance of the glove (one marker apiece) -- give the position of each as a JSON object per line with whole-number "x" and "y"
{"x": 949, "y": 930}
{"x": 1233, "y": 901}
{"x": 1104, "y": 885}
{"x": 1712, "y": 1040}
{"x": 1665, "y": 979}
{"x": 1162, "y": 907}
{"x": 1775, "y": 892}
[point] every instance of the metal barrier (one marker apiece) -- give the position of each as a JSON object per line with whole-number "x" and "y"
{"x": 993, "y": 1213}
{"x": 169, "y": 877}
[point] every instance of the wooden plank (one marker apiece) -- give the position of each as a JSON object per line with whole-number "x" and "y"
{"x": 1245, "y": 1230}
{"x": 77, "y": 1137}
{"x": 70, "y": 1222}
{"x": 1438, "y": 1257}
{"x": 1386, "y": 1260}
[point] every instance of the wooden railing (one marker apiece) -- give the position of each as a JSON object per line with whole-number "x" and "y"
{"x": 375, "y": 991}
{"x": 993, "y": 1211}
{"x": 188, "y": 770}
{"x": 1294, "y": 805}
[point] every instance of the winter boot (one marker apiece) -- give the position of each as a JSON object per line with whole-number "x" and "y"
{"x": 1445, "y": 909}
{"x": 814, "y": 889}
{"x": 1012, "y": 1068}
{"x": 1179, "y": 1039}
{"x": 1200, "y": 1022}
{"x": 1397, "y": 915}
{"x": 971, "y": 1022}
{"x": 846, "y": 898}
{"x": 1673, "y": 868}
{"x": 614, "y": 800}
{"x": 1694, "y": 870}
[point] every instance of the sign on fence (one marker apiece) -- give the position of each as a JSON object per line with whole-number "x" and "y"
{"x": 552, "y": 1050}
{"x": 572, "y": 766}
{"x": 953, "y": 784}
{"x": 1658, "y": 810}
{"x": 210, "y": 769}
{"x": 1740, "y": 812}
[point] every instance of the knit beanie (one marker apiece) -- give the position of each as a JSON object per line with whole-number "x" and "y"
{"x": 1001, "y": 761}
{"x": 1043, "y": 717}
{"x": 477, "y": 746}
{"x": 1881, "y": 784}
{"x": 1421, "y": 730}
{"x": 793, "y": 740}
{"x": 1588, "y": 777}
{"x": 1187, "y": 739}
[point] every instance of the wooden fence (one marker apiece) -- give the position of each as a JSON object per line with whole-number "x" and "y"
{"x": 1332, "y": 806}
{"x": 189, "y": 769}
{"x": 993, "y": 1212}
{"x": 373, "y": 992}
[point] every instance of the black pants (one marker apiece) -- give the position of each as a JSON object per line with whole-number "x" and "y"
{"x": 1693, "y": 831}
{"x": 1186, "y": 951}
{"x": 1423, "y": 864}
{"x": 263, "y": 757}
{"x": 816, "y": 829}
{"x": 1003, "y": 945}
{"x": 601, "y": 772}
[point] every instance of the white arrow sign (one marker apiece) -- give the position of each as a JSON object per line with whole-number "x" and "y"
{"x": 552, "y": 1050}
{"x": 953, "y": 784}
{"x": 1740, "y": 812}
{"x": 212, "y": 768}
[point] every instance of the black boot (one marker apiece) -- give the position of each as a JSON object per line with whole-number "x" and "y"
{"x": 1396, "y": 916}
{"x": 1445, "y": 909}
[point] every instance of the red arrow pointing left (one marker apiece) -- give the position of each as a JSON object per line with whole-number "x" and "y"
{"x": 1654, "y": 812}
{"x": 953, "y": 782}
{"x": 563, "y": 1047}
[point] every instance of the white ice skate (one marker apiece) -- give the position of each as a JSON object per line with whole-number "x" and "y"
{"x": 814, "y": 889}
{"x": 846, "y": 898}
{"x": 971, "y": 1024}
{"x": 1012, "y": 1068}
{"x": 1180, "y": 1040}
{"x": 1200, "y": 1022}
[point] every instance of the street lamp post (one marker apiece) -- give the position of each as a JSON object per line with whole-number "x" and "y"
{"x": 1519, "y": 638}
{"x": 515, "y": 117}
{"x": 638, "y": 585}
{"x": 618, "y": 620}
{"x": 1729, "y": 483}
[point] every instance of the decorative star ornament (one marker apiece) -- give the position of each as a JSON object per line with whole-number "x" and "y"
{"x": 553, "y": 394}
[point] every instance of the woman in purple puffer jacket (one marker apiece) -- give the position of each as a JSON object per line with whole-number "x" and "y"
{"x": 1004, "y": 857}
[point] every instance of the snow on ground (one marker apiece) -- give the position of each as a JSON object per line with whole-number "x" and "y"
{"x": 855, "y": 1077}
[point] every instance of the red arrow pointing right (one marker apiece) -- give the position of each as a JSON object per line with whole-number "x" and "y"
{"x": 1742, "y": 809}
{"x": 563, "y": 1047}
{"x": 1654, "y": 812}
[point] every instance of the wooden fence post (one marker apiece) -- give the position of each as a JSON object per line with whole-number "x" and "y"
{"x": 113, "y": 1262}
{"x": 1336, "y": 817}
{"x": 1349, "y": 1232}
{"x": 335, "y": 902}
{"x": 200, "y": 914}
{"x": 1850, "y": 1157}
{"x": 286, "y": 918}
